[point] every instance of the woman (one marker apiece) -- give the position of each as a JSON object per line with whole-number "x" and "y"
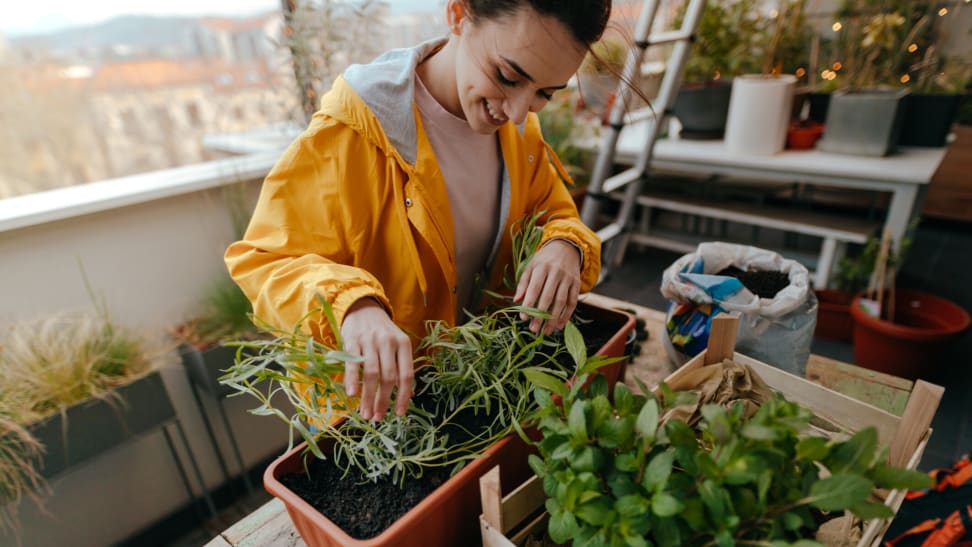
{"x": 400, "y": 195}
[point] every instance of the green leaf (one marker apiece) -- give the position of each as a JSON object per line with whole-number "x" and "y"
{"x": 665, "y": 505}
{"x": 872, "y": 510}
{"x": 712, "y": 498}
{"x": 584, "y": 459}
{"x": 597, "y": 512}
{"x": 658, "y": 470}
{"x": 597, "y": 362}
{"x": 575, "y": 344}
{"x": 626, "y": 462}
{"x": 854, "y": 454}
{"x": 885, "y": 476}
{"x": 622, "y": 398}
{"x": 813, "y": 448}
{"x": 539, "y": 378}
{"x": 577, "y": 422}
{"x": 562, "y": 526}
{"x": 647, "y": 423}
{"x": 759, "y": 432}
{"x": 615, "y": 432}
{"x": 542, "y": 397}
{"x": 562, "y": 452}
{"x": 601, "y": 410}
{"x": 840, "y": 491}
{"x": 632, "y": 505}
{"x": 598, "y": 387}
{"x": 536, "y": 463}
{"x": 791, "y": 521}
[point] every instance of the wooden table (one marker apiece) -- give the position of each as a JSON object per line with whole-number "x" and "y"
{"x": 270, "y": 526}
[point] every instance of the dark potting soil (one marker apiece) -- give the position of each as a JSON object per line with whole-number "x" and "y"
{"x": 364, "y": 509}
{"x": 763, "y": 284}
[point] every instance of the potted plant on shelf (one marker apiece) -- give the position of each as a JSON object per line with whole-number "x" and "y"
{"x": 933, "y": 104}
{"x": 225, "y": 316}
{"x": 865, "y": 115}
{"x": 727, "y": 43}
{"x": 412, "y": 480}
{"x": 72, "y": 385}
{"x": 761, "y": 105}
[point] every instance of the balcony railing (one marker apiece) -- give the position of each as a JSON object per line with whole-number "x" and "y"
{"x": 149, "y": 245}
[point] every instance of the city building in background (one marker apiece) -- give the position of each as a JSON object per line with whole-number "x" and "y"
{"x": 135, "y": 94}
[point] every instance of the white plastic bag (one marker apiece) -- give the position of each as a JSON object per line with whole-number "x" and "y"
{"x": 777, "y": 330}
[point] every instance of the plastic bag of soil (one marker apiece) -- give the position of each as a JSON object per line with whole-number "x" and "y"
{"x": 770, "y": 294}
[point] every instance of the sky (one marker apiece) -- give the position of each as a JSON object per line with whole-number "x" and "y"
{"x": 19, "y": 17}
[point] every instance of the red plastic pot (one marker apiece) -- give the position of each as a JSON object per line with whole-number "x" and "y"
{"x": 911, "y": 346}
{"x": 803, "y": 135}
{"x": 834, "y": 321}
{"x": 449, "y": 516}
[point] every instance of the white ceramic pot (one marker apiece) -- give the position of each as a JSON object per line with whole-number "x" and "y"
{"x": 759, "y": 113}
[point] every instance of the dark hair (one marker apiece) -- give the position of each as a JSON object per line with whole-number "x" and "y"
{"x": 586, "y": 19}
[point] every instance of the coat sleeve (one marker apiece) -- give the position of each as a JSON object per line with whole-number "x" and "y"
{"x": 298, "y": 245}
{"x": 548, "y": 192}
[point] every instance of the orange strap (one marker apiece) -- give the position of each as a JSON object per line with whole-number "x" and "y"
{"x": 953, "y": 477}
{"x": 944, "y": 533}
{"x": 956, "y": 526}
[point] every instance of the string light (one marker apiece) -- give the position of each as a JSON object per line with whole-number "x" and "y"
{"x": 800, "y": 72}
{"x": 905, "y": 79}
{"x": 837, "y": 66}
{"x": 942, "y": 12}
{"x": 837, "y": 26}
{"x": 912, "y": 48}
{"x": 774, "y": 14}
{"x": 828, "y": 75}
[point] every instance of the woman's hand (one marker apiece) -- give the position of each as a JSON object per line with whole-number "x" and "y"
{"x": 368, "y": 331}
{"x": 551, "y": 282}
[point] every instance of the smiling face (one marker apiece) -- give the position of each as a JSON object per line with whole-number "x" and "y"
{"x": 508, "y": 66}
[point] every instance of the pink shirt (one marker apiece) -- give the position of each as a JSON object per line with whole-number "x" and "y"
{"x": 472, "y": 170}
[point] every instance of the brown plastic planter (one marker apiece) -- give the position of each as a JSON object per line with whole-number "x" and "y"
{"x": 449, "y": 516}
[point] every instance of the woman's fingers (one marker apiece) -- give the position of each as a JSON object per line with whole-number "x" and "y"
{"x": 351, "y": 369}
{"x": 551, "y": 283}
{"x": 369, "y": 388}
{"x": 406, "y": 377}
{"x": 369, "y": 332}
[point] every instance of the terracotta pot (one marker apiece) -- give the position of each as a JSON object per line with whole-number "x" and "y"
{"x": 449, "y": 516}
{"x": 834, "y": 321}
{"x": 911, "y": 346}
{"x": 803, "y": 136}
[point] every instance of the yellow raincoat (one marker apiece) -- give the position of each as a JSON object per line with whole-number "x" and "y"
{"x": 357, "y": 207}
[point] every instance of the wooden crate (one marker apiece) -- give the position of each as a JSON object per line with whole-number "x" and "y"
{"x": 508, "y": 521}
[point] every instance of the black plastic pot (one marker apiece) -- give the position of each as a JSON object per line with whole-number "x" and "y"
{"x": 96, "y": 425}
{"x": 928, "y": 119}
{"x": 819, "y": 102}
{"x": 702, "y": 109}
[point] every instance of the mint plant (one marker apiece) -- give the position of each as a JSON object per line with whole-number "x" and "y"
{"x": 620, "y": 473}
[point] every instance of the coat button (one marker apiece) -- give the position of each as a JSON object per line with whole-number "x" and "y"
{"x": 530, "y": 158}
{"x": 408, "y": 202}
{"x": 454, "y": 289}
